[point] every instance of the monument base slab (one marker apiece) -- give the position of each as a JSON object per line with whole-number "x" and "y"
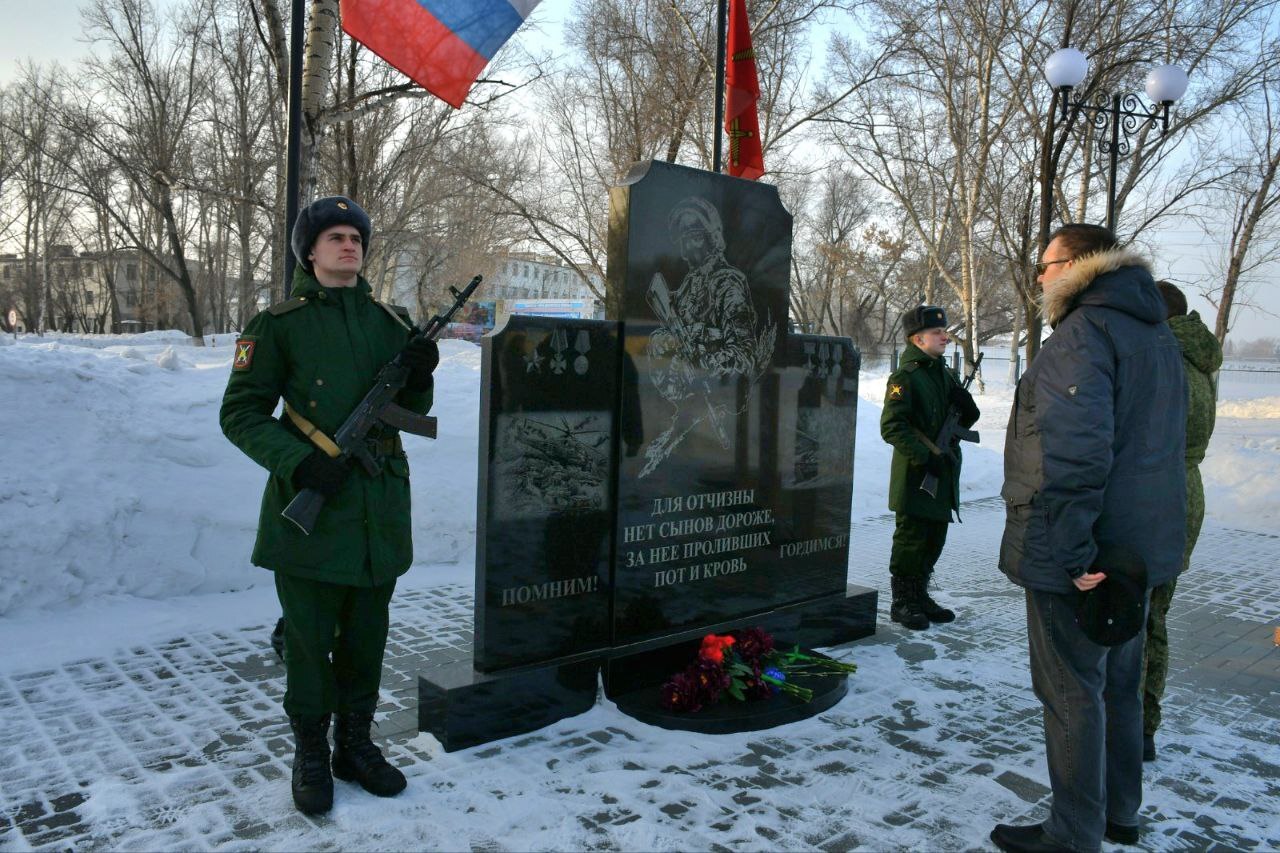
{"x": 463, "y": 707}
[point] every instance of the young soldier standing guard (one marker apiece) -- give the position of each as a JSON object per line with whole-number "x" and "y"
{"x": 320, "y": 351}
{"x": 917, "y": 399}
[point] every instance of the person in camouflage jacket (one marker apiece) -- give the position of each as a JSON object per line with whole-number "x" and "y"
{"x": 321, "y": 351}
{"x": 918, "y": 396}
{"x": 1201, "y": 356}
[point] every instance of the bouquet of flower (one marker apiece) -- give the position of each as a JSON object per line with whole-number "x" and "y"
{"x": 746, "y": 666}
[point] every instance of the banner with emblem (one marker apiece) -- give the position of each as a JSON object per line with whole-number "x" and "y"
{"x": 742, "y": 91}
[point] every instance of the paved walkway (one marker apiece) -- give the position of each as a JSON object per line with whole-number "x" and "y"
{"x": 180, "y": 745}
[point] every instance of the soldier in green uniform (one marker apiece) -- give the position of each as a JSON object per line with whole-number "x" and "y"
{"x": 1201, "y": 357}
{"x": 320, "y": 352}
{"x": 916, "y": 402}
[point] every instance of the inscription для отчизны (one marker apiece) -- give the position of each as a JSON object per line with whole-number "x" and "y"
{"x": 740, "y": 522}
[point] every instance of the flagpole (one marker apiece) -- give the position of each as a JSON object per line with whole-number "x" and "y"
{"x": 721, "y": 26}
{"x": 294, "y": 155}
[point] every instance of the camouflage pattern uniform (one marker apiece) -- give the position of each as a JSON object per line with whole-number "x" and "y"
{"x": 1202, "y": 356}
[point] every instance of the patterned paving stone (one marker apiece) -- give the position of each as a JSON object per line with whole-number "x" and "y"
{"x": 181, "y": 745}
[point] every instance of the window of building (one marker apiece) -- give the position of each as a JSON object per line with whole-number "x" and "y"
{"x": 7, "y": 271}
{"x": 131, "y": 272}
{"x": 88, "y": 298}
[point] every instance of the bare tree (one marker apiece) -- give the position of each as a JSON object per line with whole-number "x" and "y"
{"x": 40, "y": 173}
{"x": 1252, "y": 196}
{"x": 150, "y": 87}
{"x": 933, "y": 135}
{"x": 640, "y": 85}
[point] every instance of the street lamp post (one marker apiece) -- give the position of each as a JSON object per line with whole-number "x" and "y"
{"x": 1065, "y": 70}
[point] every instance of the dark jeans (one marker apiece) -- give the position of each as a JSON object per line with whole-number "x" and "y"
{"x": 334, "y": 639}
{"x": 1092, "y": 722}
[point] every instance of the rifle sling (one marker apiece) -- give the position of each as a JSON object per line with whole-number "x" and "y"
{"x": 311, "y": 431}
{"x": 928, "y": 442}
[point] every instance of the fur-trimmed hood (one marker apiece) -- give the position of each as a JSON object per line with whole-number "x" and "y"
{"x": 1117, "y": 278}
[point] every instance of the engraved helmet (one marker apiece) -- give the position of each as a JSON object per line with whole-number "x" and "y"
{"x": 696, "y": 214}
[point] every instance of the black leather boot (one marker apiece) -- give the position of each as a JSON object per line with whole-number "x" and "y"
{"x": 312, "y": 784}
{"x": 1025, "y": 839}
{"x": 905, "y": 609}
{"x": 932, "y": 609}
{"x": 356, "y": 759}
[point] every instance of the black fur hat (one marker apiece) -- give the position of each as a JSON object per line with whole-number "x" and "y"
{"x": 922, "y": 317}
{"x": 325, "y": 213}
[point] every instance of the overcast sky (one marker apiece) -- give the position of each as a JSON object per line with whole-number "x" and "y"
{"x": 48, "y": 30}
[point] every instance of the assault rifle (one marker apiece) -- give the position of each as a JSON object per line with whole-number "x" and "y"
{"x": 378, "y": 408}
{"x": 951, "y": 434}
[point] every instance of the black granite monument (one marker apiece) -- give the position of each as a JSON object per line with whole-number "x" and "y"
{"x": 683, "y": 467}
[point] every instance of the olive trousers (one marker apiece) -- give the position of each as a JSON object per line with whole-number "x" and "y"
{"x": 917, "y": 545}
{"x": 334, "y": 639}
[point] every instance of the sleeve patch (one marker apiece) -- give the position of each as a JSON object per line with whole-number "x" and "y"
{"x": 244, "y": 354}
{"x": 897, "y": 390}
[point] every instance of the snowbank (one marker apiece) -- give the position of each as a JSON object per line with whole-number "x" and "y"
{"x": 117, "y": 480}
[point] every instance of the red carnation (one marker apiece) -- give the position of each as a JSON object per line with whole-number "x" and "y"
{"x": 714, "y": 647}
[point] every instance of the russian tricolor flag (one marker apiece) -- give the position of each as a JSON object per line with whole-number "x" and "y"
{"x": 442, "y": 45}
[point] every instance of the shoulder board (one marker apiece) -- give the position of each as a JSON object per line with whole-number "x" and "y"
{"x": 286, "y": 306}
{"x": 910, "y": 366}
{"x": 398, "y": 313}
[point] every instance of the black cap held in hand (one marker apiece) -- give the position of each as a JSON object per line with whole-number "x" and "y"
{"x": 325, "y": 213}
{"x": 1114, "y": 611}
{"x": 923, "y": 317}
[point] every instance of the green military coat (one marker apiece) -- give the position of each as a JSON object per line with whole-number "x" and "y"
{"x": 1201, "y": 356}
{"x": 320, "y": 352}
{"x": 916, "y": 398}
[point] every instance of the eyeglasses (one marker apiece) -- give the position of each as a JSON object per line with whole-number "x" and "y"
{"x": 1043, "y": 266}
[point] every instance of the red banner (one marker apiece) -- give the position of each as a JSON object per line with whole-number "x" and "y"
{"x": 742, "y": 90}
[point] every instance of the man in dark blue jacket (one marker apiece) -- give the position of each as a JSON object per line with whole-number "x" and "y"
{"x": 1093, "y": 455}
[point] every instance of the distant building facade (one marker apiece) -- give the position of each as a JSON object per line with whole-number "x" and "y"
{"x": 525, "y": 275}
{"x": 80, "y": 286}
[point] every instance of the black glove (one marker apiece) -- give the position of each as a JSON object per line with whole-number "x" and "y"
{"x": 421, "y": 357}
{"x": 935, "y": 465}
{"x": 963, "y": 401}
{"x": 322, "y": 473}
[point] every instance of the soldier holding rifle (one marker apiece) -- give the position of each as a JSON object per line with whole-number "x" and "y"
{"x": 920, "y": 397}
{"x": 322, "y": 351}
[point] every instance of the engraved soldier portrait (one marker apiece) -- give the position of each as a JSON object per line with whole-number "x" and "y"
{"x": 709, "y": 330}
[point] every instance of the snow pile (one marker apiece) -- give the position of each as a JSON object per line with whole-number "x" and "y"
{"x": 1259, "y": 407}
{"x": 1241, "y": 488}
{"x": 117, "y": 479}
